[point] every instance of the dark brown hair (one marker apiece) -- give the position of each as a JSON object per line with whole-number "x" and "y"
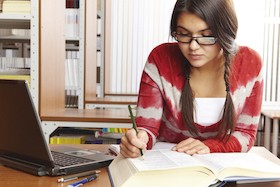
{"x": 221, "y": 19}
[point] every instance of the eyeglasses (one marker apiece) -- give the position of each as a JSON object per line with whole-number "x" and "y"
{"x": 201, "y": 40}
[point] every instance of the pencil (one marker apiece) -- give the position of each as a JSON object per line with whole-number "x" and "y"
{"x": 135, "y": 127}
{"x": 76, "y": 176}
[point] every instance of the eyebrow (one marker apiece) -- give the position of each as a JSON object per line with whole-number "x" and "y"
{"x": 207, "y": 29}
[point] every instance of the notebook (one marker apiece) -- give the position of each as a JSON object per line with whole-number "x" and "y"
{"x": 22, "y": 143}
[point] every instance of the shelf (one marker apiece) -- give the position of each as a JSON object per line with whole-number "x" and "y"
{"x": 12, "y": 21}
{"x": 72, "y": 39}
{"x": 83, "y": 115}
{"x": 109, "y": 118}
{"x": 14, "y": 38}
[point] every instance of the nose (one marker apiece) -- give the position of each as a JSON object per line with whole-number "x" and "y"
{"x": 194, "y": 45}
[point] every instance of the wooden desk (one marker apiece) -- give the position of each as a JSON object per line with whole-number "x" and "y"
{"x": 273, "y": 115}
{"x": 14, "y": 178}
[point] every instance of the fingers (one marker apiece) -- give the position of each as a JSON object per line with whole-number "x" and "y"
{"x": 128, "y": 150}
{"x": 131, "y": 143}
{"x": 192, "y": 146}
{"x": 138, "y": 140}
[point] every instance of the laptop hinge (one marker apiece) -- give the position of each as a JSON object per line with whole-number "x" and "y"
{"x": 24, "y": 166}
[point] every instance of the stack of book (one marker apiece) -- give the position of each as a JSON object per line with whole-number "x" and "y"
{"x": 87, "y": 136}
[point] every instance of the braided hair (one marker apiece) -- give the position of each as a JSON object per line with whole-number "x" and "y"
{"x": 221, "y": 19}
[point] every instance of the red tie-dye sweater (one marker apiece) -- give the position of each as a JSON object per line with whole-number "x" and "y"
{"x": 159, "y": 111}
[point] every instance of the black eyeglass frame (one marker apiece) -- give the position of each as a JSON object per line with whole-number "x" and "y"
{"x": 174, "y": 34}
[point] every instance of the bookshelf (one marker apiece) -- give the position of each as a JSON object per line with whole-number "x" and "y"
{"x": 23, "y": 46}
{"x": 47, "y": 51}
{"x": 52, "y": 47}
{"x": 74, "y": 38}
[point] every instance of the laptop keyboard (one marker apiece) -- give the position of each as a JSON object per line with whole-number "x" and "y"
{"x": 62, "y": 159}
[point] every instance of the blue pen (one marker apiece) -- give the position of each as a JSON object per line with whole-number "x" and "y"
{"x": 82, "y": 182}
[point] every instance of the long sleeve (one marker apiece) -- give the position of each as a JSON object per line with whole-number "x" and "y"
{"x": 149, "y": 108}
{"x": 159, "y": 92}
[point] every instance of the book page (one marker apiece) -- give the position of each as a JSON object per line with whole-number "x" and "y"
{"x": 164, "y": 159}
{"x": 164, "y": 145}
{"x": 249, "y": 161}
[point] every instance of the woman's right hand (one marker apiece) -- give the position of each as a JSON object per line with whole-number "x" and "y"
{"x": 131, "y": 143}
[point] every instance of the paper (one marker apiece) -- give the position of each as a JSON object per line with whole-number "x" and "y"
{"x": 164, "y": 159}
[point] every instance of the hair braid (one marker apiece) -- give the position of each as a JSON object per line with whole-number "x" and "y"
{"x": 227, "y": 121}
{"x": 187, "y": 100}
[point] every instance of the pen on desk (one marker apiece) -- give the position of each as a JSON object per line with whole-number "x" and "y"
{"x": 134, "y": 126}
{"x": 76, "y": 176}
{"x": 82, "y": 182}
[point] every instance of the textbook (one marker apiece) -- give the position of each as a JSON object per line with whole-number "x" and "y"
{"x": 163, "y": 167}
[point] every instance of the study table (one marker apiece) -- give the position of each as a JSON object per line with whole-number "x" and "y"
{"x": 13, "y": 178}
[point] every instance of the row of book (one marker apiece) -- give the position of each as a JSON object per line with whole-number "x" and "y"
{"x": 87, "y": 136}
{"x": 14, "y": 63}
{"x": 72, "y": 3}
{"x": 72, "y": 22}
{"x": 17, "y": 77}
{"x": 71, "y": 73}
{"x": 71, "y": 98}
{"x": 71, "y": 83}
{"x": 15, "y": 32}
{"x": 82, "y": 140}
{"x": 16, "y": 6}
{"x": 15, "y": 49}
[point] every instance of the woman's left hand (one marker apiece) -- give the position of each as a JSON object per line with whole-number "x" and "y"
{"x": 191, "y": 146}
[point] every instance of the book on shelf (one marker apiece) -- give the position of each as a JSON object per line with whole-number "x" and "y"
{"x": 71, "y": 98}
{"x": 71, "y": 83}
{"x": 72, "y": 3}
{"x": 14, "y": 32}
{"x": 16, "y": 77}
{"x": 101, "y": 140}
{"x": 72, "y": 22}
{"x": 64, "y": 131}
{"x": 163, "y": 167}
{"x": 15, "y": 73}
{"x": 91, "y": 135}
{"x": 16, "y": 6}
{"x": 67, "y": 140}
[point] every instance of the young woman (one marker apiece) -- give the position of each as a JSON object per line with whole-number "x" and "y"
{"x": 203, "y": 92}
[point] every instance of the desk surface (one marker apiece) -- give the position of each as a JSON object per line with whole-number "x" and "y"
{"x": 273, "y": 114}
{"x": 14, "y": 178}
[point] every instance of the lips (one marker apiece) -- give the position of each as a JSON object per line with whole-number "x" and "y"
{"x": 195, "y": 56}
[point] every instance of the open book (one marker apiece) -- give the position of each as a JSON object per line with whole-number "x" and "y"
{"x": 163, "y": 167}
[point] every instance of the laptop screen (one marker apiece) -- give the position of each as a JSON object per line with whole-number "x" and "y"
{"x": 20, "y": 127}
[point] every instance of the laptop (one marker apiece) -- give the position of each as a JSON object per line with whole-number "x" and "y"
{"x": 22, "y": 143}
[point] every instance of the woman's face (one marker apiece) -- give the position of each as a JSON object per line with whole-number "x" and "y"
{"x": 198, "y": 55}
